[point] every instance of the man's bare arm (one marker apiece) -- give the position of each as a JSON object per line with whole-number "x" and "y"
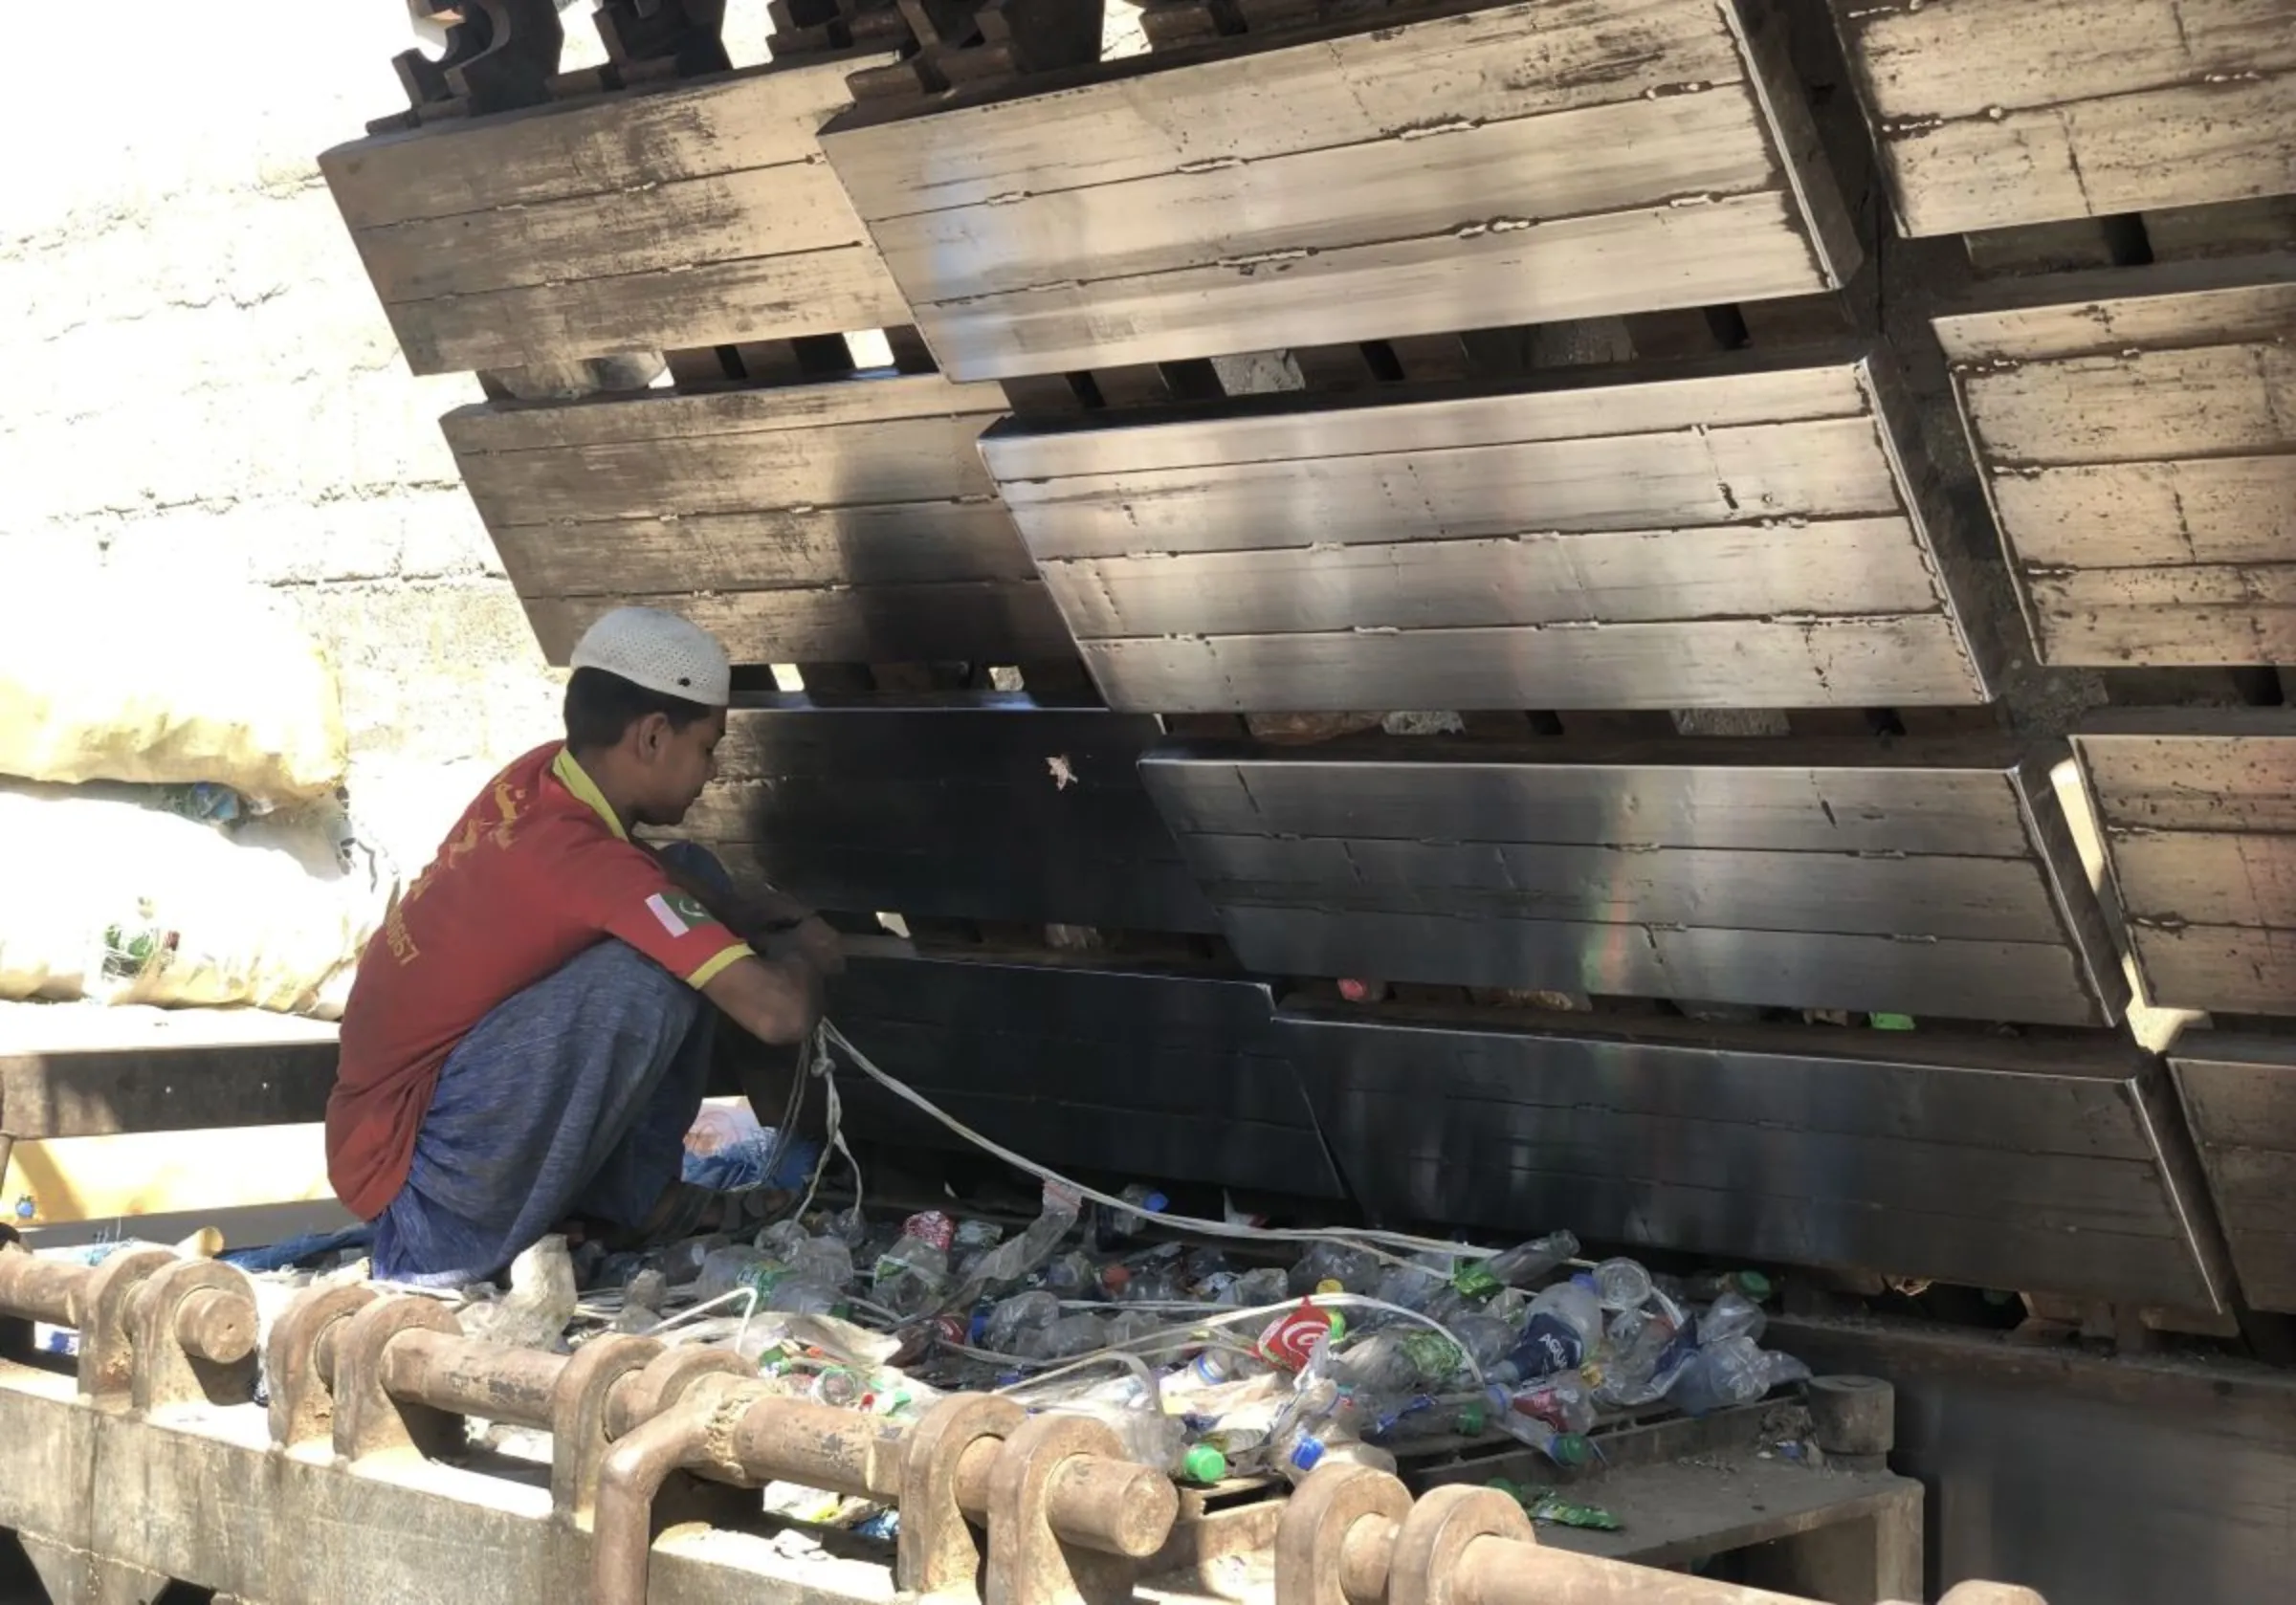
{"x": 775, "y": 999}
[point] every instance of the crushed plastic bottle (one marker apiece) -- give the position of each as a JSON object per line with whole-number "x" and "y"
{"x": 1560, "y": 1334}
{"x": 1519, "y": 1267}
{"x": 1152, "y": 1439}
{"x": 1648, "y": 1349}
{"x": 1732, "y": 1371}
{"x": 912, "y": 1275}
{"x": 735, "y": 1266}
{"x": 1256, "y": 1289}
{"x": 1416, "y": 1285}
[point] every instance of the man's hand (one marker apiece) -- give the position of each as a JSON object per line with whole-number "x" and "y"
{"x": 821, "y": 947}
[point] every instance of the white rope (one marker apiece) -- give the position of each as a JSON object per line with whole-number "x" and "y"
{"x": 1390, "y": 1246}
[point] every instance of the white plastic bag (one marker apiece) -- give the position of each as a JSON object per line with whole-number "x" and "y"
{"x": 104, "y": 677}
{"x": 121, "y": 904}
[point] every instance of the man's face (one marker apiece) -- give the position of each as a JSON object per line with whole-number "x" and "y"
{"x": 675, "y": 764}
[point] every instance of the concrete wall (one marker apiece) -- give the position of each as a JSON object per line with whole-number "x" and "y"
{"x": 198, "y": 381}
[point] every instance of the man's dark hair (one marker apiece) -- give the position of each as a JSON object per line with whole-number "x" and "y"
{"x": 601, "y": 706}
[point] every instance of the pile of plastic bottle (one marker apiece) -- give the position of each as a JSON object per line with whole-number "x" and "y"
{"x": 1206, "y": 1368}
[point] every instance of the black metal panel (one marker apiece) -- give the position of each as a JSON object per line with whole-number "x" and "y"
{"x": 169, "y": 1086}
{"x": 1158, "y": 1075}
{"x": 2097, "y": 1481}
{"x": 1934, "y": 880}
{"x": 2030, "y": 1165}
{"x": 984, "y": 807}
{"x": 2240, "y": 1097}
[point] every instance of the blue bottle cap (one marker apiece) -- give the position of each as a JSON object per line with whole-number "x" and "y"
{"x": 1305, "y": 1453}
{"x": 1156, "y": 1203}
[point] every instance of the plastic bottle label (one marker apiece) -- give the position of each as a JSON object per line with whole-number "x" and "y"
{"x": 1550, "y": 1343}
{"x": 933, "y": 1227}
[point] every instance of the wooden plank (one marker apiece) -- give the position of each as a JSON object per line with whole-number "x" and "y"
{"x": 905, "y": 460}
{"x": 770, "y": 549}
{"x": 987, "y": 621}
{"x": 1916, "y": 896}
{"x": 2191, "y": 877}
{"x": 2188, "y": 616}
{"x": 1577, "y": 164}
{"x": 1538, "y": 162}
{"x": 723, "y": 217}
{"x": 1869, "y": 565}
{"x": 2208, "y": 510}
{"x": 2229, "y": 769}
{"x": 1637, "y": 260}
{"x": 2230, "y": 969}
{"x": 817, "y": 293}
{"x": 1919, "y": 661}
{"x": 755, "y": 117}
{"x": 699, "y": 215}
{"x": 101, "y": 1092}
{"x": 1986, "y": 115}
{"x": 1565, "y": 405}
{"x": 2136, "y": 406}
{"x": 2140, "y": 450}
{"x": 1833, "y": 467}
{"x": 1518, "y": 60}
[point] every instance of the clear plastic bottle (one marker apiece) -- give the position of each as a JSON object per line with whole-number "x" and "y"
{"x": 1152, "y": 1439}
{"x": 1009, "y": 1263}
{"x": 1732, "y": 1315}
{"x": 1560, "y": 1334}
{"x": 1564, "y": 1402}
{"x": 912, "y": 1274}
{"x": 803, "y": 1295}
{"x": 1528, "y": 1262}
{"x": 1563, "y": 1449}
{"x": 735, "y": 1266}
{"x": 1488, "y": 1338}
{"x": 1733, "y": 1370}
{"x": 1419, "y": 1284}
{"x": 1214, "y": 1367}
{"x": 1146, "y": 1200}
{"x": 1072, "y": 1275}
{"x": 1352, "y": 1268}
{"x": 1622, "y": 1283}
{"x": 1267, "y": 1285}
{"x": 1324, "y": 1430}
{"x": 1023, "y": 1312}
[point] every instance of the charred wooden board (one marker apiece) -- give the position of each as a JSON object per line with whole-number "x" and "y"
{"x": 2198, "y": 812}
{"x": 1930, "y": 879}
{"x": 1524, "y": 164}
{"x": 1747, "y": 536}
{"x": 1989, "y": 115}
{"x": 2027, "y": 1165}
{"x": 2239, "y": 1095}
{"x": 2137, "y": 433}
{"x": 850, "y": 521}
{"x": 699, "y": 215}
{"x": 987, "y": 808}
{"x": 1125, "y": 1072}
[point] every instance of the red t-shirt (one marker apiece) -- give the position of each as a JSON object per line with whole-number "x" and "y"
{"x": 538, "y": 870}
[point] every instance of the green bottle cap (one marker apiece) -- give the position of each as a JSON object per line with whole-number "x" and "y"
{"x": 1570, "y": 1448}
{"x": 1338, "y": 1325}
{"x": 1203, "y": 1464}
{"x": 1891, "y": 1022}
{"x": 1472, "y": 1420}
{"x": 1754, "y": 1285}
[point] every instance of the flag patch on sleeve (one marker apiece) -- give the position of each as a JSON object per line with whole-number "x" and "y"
{"x": 679, "y": 914}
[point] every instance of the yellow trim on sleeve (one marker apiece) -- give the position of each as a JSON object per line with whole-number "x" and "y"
{"x": 577, "y": 780}
{"x": 716, "y": 967}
